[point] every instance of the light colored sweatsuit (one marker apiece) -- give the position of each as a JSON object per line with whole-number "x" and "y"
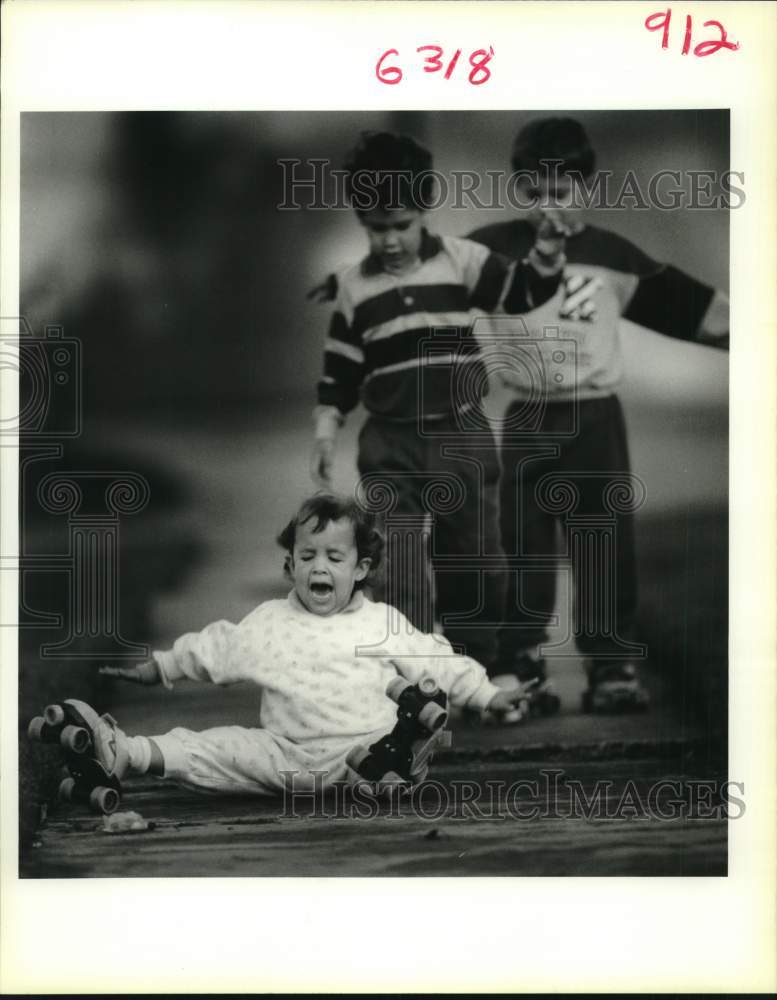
{"x": 323, "y": 681}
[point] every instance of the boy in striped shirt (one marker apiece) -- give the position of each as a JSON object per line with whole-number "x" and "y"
{"x": 425, "y": 425}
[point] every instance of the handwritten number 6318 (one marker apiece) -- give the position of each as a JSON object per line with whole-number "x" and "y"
{"x": 479, "y": 72}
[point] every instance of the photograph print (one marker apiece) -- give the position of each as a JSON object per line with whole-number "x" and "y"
{"x": 373, "y": 483}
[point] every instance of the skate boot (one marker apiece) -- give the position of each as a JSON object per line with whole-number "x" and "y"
{"x": 613, "y": 687}
{"x": 401, "y": 759}
{"x": 95, "y": 750}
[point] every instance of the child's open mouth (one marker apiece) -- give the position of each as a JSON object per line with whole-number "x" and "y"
{"x": 321, "y": 589}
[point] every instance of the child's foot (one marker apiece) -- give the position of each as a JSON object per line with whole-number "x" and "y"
{"x": 614, "y": 687}
{"x": 110, "y": 746}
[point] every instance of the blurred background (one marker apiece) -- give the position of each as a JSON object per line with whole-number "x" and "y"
{"x": 156, "y": 241}
{"x": 155, "y": 238}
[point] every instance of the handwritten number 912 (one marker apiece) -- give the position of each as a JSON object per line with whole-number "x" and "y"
{"x": 478, "y": 60}
{"x": 662, "y": 19}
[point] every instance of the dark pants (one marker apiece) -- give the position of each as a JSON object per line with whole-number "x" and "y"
{"x": 574, "y": 491}
{"x": 449, "y": 479}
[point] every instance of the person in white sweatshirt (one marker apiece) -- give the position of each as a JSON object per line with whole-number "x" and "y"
{"x": 322, "y": 658}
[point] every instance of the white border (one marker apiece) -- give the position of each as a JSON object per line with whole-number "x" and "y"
{"x": 451, "y": 934}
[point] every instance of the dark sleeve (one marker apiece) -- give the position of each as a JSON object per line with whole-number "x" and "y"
{"x": 527, "y": 288}
{"x": 343, "y": 366}
{"x": 670, "y": 302}
{"x": 530, "y": 289}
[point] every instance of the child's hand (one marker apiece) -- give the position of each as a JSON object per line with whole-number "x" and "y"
{"x": 321, "y": 462}
{"x": 506, "y": 701}
{"x": 146, "y": 672}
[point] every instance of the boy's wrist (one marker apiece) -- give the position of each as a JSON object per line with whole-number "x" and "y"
{"x": 327, "y": 422}
{"x": 546, "y": 264}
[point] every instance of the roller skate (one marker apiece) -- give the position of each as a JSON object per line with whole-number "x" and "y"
{"x": 401, "y": 759}
{"x": 95, "y": 752}
{"x": 613, "y": 687}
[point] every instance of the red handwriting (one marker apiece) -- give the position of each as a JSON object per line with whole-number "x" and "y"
{"x": 389, "y": 73}
{"x": 662, "y": 19}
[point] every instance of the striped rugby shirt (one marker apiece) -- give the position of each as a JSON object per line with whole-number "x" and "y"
{"x": 375, "y": 347}
{"x": 606, "y": 279}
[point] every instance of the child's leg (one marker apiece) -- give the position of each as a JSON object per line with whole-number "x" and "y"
{"x": 224, "y": 759}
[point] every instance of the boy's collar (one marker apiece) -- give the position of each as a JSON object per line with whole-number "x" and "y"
{"x": 430, "y": 247}
{"x": 356, "y": 601}
{"x": 575, "y": 227}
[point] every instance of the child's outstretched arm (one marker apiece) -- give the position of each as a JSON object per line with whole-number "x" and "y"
{"x": 213, "y": 655}
{"x": 462, "y": 678}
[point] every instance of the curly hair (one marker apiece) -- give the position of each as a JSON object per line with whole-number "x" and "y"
{"x": 389, "y": 171}
{"x": 562, "y": 139}
{"x": 326, "y": 507}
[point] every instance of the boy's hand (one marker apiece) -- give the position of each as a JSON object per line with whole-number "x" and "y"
{"x": 552, "y": 232}
{"x": 326, "y": 291}
{"x": 146, "y": 672}
{"x": 321, "y": 462}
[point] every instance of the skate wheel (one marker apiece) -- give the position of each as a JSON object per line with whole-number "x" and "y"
{"x": 428, "y": 686}
{"x": 104, "y": 800}
{"x": 65, "y": 792}
{"x": 75, "y": 738}
{"x": 54, "y": 715}
{"x": 433, "y": 717}
{"x": 356, "y": 758}
{"x": 35, "y": 728}
{"x": 396, "y": 686}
